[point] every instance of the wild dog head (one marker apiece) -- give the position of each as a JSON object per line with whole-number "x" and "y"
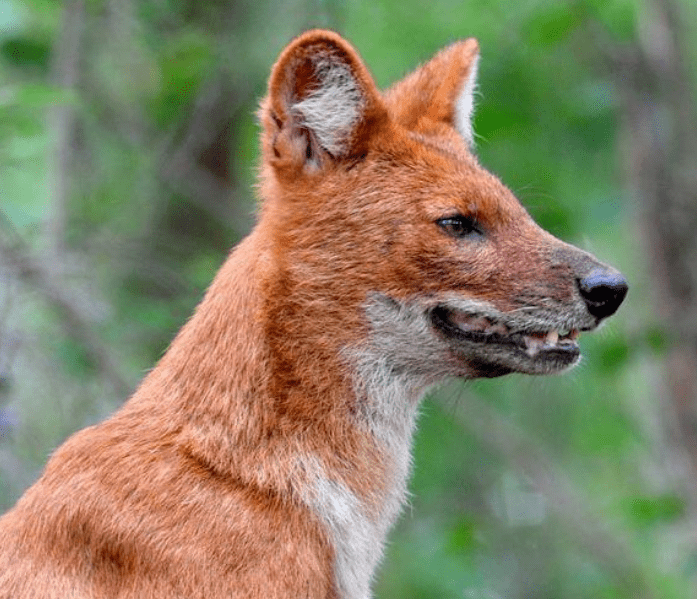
{"x": 386, "y": 226}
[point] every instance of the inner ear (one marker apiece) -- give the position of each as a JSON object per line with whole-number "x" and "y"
{"x": 327, "y": 101}
{"x": 322, "y": 102}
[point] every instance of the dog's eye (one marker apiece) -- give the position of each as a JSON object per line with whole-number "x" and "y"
{"x": 458, "y": 225}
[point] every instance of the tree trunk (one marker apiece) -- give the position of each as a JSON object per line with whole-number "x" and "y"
{"x": 660, "y": 129}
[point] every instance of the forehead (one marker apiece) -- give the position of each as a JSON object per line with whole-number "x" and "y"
{"x": 445, "y": 143}
{"x": 444, "y": 176}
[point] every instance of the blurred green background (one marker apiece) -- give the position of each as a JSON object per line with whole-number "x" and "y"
{"x": 128, "y": 150}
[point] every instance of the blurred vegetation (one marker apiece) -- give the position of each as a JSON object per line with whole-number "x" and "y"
{"x": 128, "y": 148}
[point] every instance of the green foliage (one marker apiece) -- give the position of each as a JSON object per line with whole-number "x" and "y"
{"x": 620, "y": 17}
{"x": 613, "y": 356}
{"x": 26, "y": 53}
{"x": 552, "y": 23}
{"x": 646, "y": 512}
{"x": 657, "y": 339}
{"x": 184, "y": 62}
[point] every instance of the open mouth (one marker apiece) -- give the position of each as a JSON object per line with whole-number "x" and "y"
{"x": 524, "y": 349}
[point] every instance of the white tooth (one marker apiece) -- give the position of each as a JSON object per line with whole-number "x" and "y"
{"x": 533, "y": 345}
{"x": 552, "y": 338}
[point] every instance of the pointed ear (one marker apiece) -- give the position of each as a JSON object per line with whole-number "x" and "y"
{"x": 442, "y": 90}
{"x": 322, "y": 103}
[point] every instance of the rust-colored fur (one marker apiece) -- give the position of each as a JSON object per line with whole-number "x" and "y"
{"x": 267, "y": 454}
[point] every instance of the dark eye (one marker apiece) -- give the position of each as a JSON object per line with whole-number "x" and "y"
{"x": 459, "y": 225}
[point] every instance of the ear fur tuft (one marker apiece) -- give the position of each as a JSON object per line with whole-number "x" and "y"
{"x": 332, "y": 107}
{"x": 322, "y": 102}
{"x": 464, "y": 105}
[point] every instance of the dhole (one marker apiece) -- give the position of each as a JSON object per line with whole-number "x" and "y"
{"x": 267, "y": 454}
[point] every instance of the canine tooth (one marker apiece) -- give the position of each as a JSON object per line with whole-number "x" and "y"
{"x": 552, "y": 338}
{"x": 532, "y": 345}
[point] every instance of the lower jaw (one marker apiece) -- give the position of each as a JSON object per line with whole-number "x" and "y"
{"x": 485, "y": 363}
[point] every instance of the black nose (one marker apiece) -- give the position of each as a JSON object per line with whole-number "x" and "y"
{"x": 603, "y": 292}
